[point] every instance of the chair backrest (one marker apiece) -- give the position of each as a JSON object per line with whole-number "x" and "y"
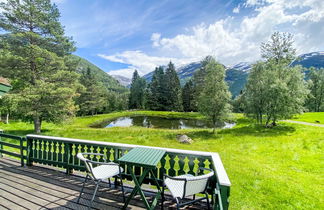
{"x": 196, "y": 184}
{"x": 88, "y": 165}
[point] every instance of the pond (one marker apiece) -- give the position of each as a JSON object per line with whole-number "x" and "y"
{"x": 160, "y": 122}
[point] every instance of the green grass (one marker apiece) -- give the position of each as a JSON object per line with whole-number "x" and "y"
{"x": 311, "y": 117}
{"x": 278, "y": 168}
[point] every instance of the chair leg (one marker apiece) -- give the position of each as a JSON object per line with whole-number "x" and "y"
{"x": 94, "y": 194}
{"x": 162, "y": 197}
{"x": 122, "y": 186}
{"x": 109, "y": 182}
{"x": 85, "y": 180}
{"x": 208, "y": 205}
{"x": 115, "y": 182}
{"x": 178, "y": 204}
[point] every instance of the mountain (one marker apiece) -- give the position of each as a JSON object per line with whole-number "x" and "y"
{"x": 124, "y": 81}
{"x": 108, "y": 81}
{"x": 236, "y": 75}
{"x": 313, "y": 59}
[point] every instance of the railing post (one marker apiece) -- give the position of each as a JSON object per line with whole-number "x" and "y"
{"x": 29, "y": 151}
{"x": 67, "y": 157}
{"x": 22, "y": 151}
{"x": 225, "y": 194}
{"x": 1, "y": 146}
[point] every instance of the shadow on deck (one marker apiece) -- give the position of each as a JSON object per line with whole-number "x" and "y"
{"x": 41, "y": 187}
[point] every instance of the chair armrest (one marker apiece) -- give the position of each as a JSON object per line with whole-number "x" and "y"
{"x": 96, "y": 154}
{"x": 102, "y": 163}
{"x": 174, "y": 178}
{"x": 205, "y": 169}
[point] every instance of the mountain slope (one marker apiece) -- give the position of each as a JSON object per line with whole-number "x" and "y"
{"x": 108, "y": 81}
{"x": 313, "y": 59}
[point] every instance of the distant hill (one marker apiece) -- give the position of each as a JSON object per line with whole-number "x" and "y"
{"x": 108, "y": 81}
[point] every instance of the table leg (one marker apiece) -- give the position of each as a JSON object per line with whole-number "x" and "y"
{"x": 158, "y": 194}
{"x": 138, "y": 184}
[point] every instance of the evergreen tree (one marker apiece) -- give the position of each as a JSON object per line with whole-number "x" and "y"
{"x": 156, "y": 93}
{"x": 137, "y": 92}
{"x": 315, "y": 101}
{"x": 172, "y": 89}
{"x": 93, "y": 98}
{"x": 188, "y": 97}
{"x": 35, "y": 47}
{"x": 214, "y": 99}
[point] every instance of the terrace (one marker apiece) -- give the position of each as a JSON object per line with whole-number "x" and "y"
{"x": 46, "y": 174}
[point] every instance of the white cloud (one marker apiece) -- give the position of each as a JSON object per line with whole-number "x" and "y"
{"x": 155, "y": 38}
{"x": 140, "y": 61}
{"x": 232, "y": 40}
{"x": 236, "y": 10}
{"x": 241, "y": 43}
{"x": 128, "y": 72}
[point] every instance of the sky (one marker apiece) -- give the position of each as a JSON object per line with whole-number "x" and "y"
{"x": 122, "y": 35}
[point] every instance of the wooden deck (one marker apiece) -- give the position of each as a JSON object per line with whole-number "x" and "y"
{"x": 40, "y": 187}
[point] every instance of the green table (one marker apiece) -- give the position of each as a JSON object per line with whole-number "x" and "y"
{"x": 147, "y": 158}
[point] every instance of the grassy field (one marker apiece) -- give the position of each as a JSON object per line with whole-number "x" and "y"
{"x": 278, "y": 168}
{"x": 311, "y": 117}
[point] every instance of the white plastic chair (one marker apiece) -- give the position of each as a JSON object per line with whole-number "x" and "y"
{"x": 102, "y": 171}
{"x": 187, "y": 185}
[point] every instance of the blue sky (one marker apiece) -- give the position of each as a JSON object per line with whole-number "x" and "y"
{"x": 120, "y": 36}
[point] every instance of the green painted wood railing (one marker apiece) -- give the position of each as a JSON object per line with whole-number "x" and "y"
{"x": 20, "y": 148}
{"x": 61, "y": 152}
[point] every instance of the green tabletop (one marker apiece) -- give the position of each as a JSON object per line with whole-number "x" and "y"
{"x": 146, "y": 157}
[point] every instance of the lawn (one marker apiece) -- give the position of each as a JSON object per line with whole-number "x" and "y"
{"x": 278, "y": 168}
{"x": 311, "y": 117}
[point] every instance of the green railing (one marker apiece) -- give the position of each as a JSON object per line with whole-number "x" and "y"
{"x": 61, "y": 152}
{"x": 13, "y": 149}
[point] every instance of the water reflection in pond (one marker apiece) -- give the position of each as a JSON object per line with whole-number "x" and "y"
{"x": 159, "y": 122}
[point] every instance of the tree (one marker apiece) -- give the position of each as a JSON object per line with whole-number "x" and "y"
{"x": 93, "y": 98}
{"x": 172, "y": 89}
{"x": 279, "y": 49}
{"x": 156, "y": 92}
{"x": 36, "y": 52}
{"x": 8, "y": 105}
{"x": 214, "y": 99}
{"x": 199, "y": 81}
{"x": 275, "y": 90}
{"x": 188, "y": 96}
{"x": 315, "y": 101}
{"x": 137, "y": 92}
